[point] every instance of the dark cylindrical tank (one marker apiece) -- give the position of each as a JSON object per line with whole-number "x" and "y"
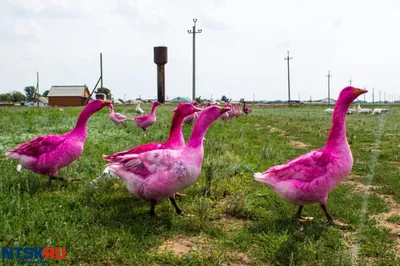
{"x": 160, "y": 55}
{"x": 160, "y": 58}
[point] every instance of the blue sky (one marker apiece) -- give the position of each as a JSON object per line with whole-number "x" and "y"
{"x": 239, "y": 53}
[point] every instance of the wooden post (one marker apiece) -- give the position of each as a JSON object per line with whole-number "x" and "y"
{"x": 101, "y": 69}
{"x": 90, "y": 96}
{"x": 37, "y": 88}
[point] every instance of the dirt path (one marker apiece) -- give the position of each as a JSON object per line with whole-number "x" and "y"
{"x": 381, "y": 218}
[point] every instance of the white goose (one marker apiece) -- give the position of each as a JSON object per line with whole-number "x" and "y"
{"x": 380, "y": 111}
{"x": 351, "y": 111}
{"x": 363, "y": 110}
{"x": 138, "y": 109}
{"x": 328, "y": 111}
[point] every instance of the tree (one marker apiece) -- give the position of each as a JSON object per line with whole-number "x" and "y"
{"x": 241, "y": 100}
{"x": 30, "y": 93}
{"x": 5, "y": 97}
{"x": 106, "y": 91}
{"x": 17, "y": 96}
{"x": 13, "y": 96}
{"x": 225, "y": 99}
{"x": 45, "y": 93}
{"x": 198, "y": 99}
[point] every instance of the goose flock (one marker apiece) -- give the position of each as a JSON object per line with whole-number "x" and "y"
{"x": 360, "y": 110}
{"x": 154, "y": 172}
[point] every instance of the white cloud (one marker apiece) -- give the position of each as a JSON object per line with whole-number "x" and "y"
{"x": 50, "y": 9}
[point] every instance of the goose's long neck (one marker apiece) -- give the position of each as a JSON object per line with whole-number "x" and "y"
{"x": 175, "y": 133}
{"x": 80, "y": 127}
{"x": 111, "y": 109}
{"x": 337, "y": 135}
{"x": 153, "y": 109}
{"x": 198, "y": 132}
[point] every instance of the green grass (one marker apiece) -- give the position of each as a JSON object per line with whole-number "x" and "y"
{"x": 394, "y": 219}
{"x": 233, "y": 219}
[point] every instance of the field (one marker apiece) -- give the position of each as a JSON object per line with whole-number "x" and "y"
{"x": 230, "y": 219}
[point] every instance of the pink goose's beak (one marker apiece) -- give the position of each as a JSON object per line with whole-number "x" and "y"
{"x": 196, "y": 109}
{"x": 359, "y": 91}
{"x": 105, "y": 103}
{"x": 223, "y": 109}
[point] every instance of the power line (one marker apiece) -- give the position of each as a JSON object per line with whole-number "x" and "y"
{"x": 288, "y": 58}
{"x": 193, "y": 31}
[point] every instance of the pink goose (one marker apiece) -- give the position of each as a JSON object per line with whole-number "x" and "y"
{"x": 117, "y": 118}
{"x": 158, "y": 174}
{"x": 175, "y": 140}
{"x": 238, "y": 112}
{"x": 309, "y": 178}
{"x": 192, "y": 117}
{"x": 145, "y": 121}
{"x": 46, "y": 154}
{"x": 202, "y": 106}
{"x": 197, "y": 114}
{"x": 245, "y": 109}
{"x": 231, "y": 112}
{"x": 225, "y": 115}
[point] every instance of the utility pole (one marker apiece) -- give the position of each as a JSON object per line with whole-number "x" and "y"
{"x": 379, "y": 96}
{"x": 99, "y": 80}
{"x": 350, "y": 81}
{"x": 254, "y": 99}
{"x": 288, "y": 58}
{"x": 101, "y": 69}
{"x": 194, "y": 57}
{"x": 384, "y": 96}
{"x": 37, "y": 88}
{"x": 373, "y": 97}
{"x": 364, "y": 96}
{"x": 329, "y": 87}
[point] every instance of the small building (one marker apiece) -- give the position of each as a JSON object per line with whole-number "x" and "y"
{"x": 43, "y": 101}
{"x": 6, "y": 104}
{"x": 180, "y": 100}
{"x": 132, "y": 101}
{"x": 325, "y": 101}
{"x": 68, "y": 95}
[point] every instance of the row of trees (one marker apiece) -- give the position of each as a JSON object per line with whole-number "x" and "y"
{"x": 13, "y": 96}
{"x": 223, "y": 98}
{"x": 16, "y": 96}
{"x": 30, "y": 93}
